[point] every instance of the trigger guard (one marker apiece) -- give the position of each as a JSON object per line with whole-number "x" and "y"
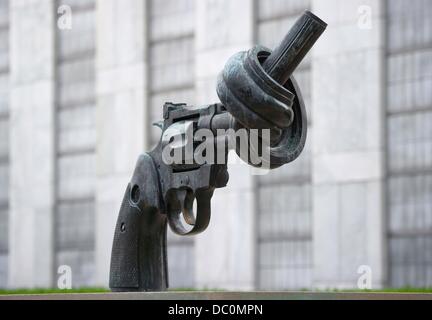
{"x": 202, "y": 217}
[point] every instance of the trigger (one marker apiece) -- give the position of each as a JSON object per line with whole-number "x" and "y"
{"x": 186, "y": 199}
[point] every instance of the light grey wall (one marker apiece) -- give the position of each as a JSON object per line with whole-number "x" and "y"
{"x": 348, "y": 144}
{"x": 32, "y": 148}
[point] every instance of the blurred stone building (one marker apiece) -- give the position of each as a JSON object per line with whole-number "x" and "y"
{"x": 76, "y": 107}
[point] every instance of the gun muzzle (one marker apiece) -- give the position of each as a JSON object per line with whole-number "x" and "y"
{"x": 286, "y": 57}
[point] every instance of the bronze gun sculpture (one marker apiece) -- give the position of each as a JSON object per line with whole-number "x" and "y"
{"x": 257, "y": 93}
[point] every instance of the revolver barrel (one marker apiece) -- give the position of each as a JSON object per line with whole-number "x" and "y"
{"x": 286, "y": 57}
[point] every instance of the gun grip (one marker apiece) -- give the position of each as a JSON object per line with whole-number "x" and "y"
{"x": 138, "y": 258}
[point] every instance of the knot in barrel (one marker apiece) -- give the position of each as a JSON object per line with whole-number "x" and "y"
{"x": 251, "y": 96}
{"x": 257, "y": 101}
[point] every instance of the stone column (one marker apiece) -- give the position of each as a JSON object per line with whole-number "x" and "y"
{"x": 348, "y": 143}
{"x": 225, "y": 251}
{"x": 31, "y": 142}
{"x": 121, "y": 99}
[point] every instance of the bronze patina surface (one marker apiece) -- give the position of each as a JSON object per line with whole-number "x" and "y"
{"x": 256, "y": 91}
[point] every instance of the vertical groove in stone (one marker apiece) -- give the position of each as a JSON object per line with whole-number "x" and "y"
{"x": 76, "y": 144}
{"x": 284, "y": 230}
{"x": 409, "y": 142}
{"x": 4, "y": 142}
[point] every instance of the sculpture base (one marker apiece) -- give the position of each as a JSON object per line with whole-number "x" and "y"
{"x": 220, "y": 295}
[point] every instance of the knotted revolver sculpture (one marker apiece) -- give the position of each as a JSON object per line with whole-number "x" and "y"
{"x": 257, "y": 91}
